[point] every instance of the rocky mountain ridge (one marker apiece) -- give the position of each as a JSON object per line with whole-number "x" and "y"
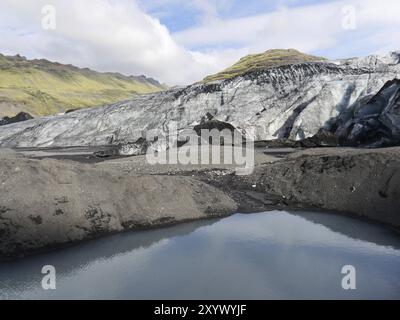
{"x": 270, "y": 58}
{"x": 41, "y": 87}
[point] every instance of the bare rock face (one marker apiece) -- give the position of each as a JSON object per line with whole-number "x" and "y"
{"x": 22, "y": 116}
{"x": 284, "y": 102}
{"x": 377, "y": 122}
{"x": 323, "y": 138}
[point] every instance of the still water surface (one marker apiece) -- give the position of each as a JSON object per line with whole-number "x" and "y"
{"x": 272, "y": 255}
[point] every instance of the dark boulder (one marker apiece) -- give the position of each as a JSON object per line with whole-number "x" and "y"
{"x": 323, "y": 138}
{"x": 70, "y": 111}
{"x": 277, "y": 143}
{"x": 212, "y": 125}
{"x": 22, "y": 116}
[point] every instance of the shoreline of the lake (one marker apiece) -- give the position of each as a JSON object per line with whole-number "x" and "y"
{"x": 48, "y": 203}
{"x": 267, "y": 255}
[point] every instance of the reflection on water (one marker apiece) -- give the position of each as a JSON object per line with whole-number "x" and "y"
{"x": 268, "y": 255}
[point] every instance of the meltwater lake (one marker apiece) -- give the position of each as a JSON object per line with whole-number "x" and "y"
{"x": 271, "y": 255}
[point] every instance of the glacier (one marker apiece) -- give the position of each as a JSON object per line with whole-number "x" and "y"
{"x": 287, "y": 102}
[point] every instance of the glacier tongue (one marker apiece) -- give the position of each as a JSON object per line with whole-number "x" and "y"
{"x": 293, "y": 101}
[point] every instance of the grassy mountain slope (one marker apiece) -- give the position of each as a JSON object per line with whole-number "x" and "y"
{"x": 268, "y": 59}
{"x": 41, "y": 87}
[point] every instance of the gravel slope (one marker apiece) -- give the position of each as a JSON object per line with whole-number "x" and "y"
{"x": 50, "y": 203}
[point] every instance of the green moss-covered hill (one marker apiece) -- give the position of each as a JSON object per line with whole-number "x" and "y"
{"x": 41, "y": 87}
{"x": 268, "y": 59}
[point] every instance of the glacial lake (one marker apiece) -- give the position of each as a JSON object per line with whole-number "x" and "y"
{"x": 271, "y": 255}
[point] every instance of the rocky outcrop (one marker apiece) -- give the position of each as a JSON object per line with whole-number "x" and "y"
{"x": 375, "y": 123}
{"x": 285, "y": 102}
{"x": 323, "y": 138}
{"x": 22, "y": 116}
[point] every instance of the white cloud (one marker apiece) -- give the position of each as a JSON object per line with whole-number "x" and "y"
{"x": 308, "y": 28}
{"x": 105, "y": 35}
{"x": 117, "y": 35}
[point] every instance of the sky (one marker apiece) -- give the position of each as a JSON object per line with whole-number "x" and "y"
{"x": 181, "y": 41}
